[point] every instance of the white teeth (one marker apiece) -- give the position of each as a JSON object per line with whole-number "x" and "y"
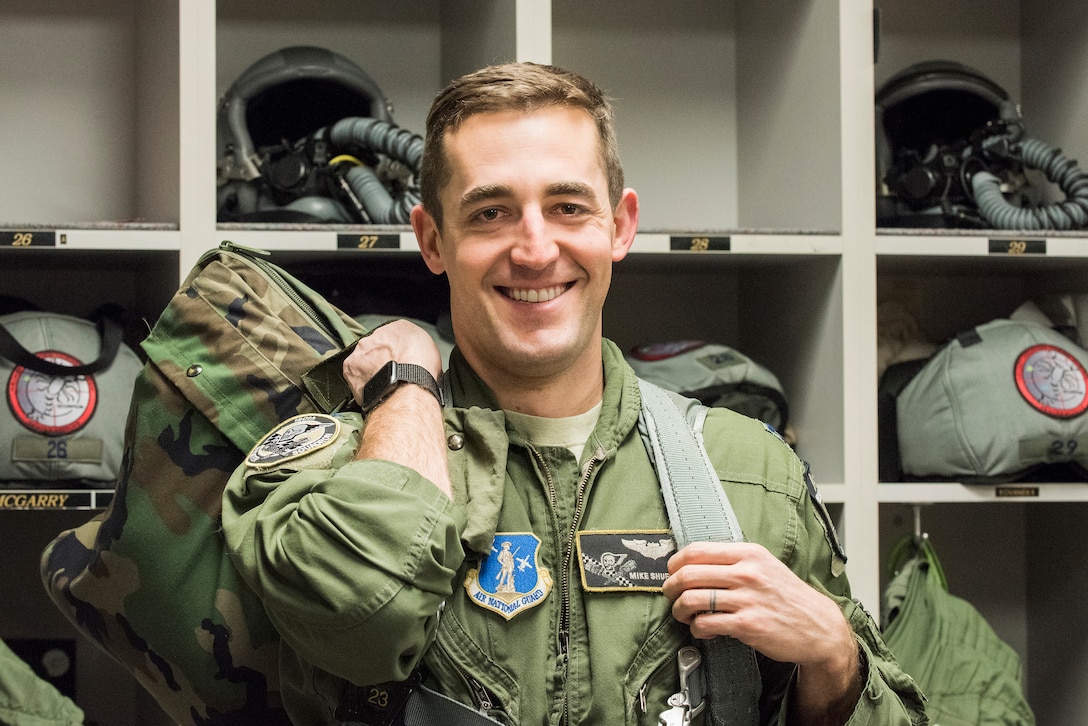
{"x": 532, "y": 296}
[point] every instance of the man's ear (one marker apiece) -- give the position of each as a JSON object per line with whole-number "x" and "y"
{"x": 428, "y": 238}
{"x": 625, "y": 219}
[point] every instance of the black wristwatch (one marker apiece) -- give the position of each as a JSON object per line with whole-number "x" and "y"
{"x": 392, "y": 375}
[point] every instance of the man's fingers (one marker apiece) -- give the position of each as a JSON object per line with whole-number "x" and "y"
{"x": 711, "y": 553}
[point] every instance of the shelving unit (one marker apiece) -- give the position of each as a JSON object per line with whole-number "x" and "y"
{"x": 746, "y": 127}
{"x": 1006, "y": 549}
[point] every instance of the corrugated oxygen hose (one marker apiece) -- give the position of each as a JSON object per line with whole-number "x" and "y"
{"x": 1071, "y": 213}
{"x": 388, "y": 139}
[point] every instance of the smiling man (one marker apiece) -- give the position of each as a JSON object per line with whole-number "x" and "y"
{"x": 528, "y": 237}
{"x": 501, "y": 542}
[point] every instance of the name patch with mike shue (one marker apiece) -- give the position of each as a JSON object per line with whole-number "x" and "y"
{"x": 622, "y": 561}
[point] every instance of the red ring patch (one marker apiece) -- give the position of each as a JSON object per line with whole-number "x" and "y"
{"x": 651, "y": 352}
{"x": 52, "y": 405}
{"x": 1052, "y": 381}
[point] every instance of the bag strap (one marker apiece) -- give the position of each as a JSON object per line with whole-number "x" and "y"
{"x": 430, "y": 707}
{"x": 110, "y": 332}
{"x": 699, "y": 510}
{"x": 911, "y": 546}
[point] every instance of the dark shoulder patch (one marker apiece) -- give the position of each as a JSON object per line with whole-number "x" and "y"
{"x": 832, "y": 537}
{"x": 297, "y": 436}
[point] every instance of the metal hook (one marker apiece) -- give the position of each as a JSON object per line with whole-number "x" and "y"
{"x": 919, "y": 535}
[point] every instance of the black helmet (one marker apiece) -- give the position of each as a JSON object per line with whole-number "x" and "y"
{"x": 281, "y": 156}
{"x": 929, "y": 119}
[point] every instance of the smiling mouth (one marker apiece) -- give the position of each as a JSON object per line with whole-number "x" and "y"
{"x": 534, "y": 295}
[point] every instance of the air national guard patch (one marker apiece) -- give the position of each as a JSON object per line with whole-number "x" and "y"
{"x": 625, "y": 560}
{"x": 295, "y": 437}
{"x": 510, "y": 579}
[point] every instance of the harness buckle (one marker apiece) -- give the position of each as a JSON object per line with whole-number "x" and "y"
{"x": 690, "y": 701}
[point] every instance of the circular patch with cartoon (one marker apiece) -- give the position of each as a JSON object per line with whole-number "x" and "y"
{"x": 52, "y": 405}
{"x": 295, "y": 437}
{"x": 1052, "y": 381}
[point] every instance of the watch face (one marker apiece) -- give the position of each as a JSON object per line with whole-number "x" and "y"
{"x": 380, "y": 385}
{"x": 391, "y": 375}
{"x": 1052, "y": 381}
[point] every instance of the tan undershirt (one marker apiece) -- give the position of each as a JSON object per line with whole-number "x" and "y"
{"x": 571, "y": 432}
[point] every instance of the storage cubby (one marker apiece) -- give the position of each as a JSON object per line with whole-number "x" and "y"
{"x": 1020, "y": 566}
{"x": 1012, "y": 550}
{"x": 785, "y": 313}
{"x": 1033, "y": 50}
{"x": 77, "y": 282}
{"x": 399, "y": 45}
{"x": 947, "y": 295}
{"x": 90, "y": 92}
{"x": 728, "y": 112}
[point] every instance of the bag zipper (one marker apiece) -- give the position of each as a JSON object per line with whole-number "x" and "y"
{"x": 257, "y": 258}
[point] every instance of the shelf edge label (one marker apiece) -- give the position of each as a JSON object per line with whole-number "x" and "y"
{"x": 1017, "y": 247}
{"x": 699, "y": 243}
{"x": 368, "y": 241}
{"x": 1018, "y": 491}
{"x": 43, "y": 500}
{"x": 19, "y": 238}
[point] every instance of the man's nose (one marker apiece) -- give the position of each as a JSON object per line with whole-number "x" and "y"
{"x": 534, "y": 246}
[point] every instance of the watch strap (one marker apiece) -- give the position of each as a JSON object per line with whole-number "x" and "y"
{"x": 391, "y": 376}
{"x": 412, "y": 373}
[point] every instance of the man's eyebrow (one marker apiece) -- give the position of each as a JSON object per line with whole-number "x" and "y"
{"x": 483, "y": 193}
{"x": 572, "y": 188}
{"x": 486, "y": 192}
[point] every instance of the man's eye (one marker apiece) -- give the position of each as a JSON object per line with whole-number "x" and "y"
{"x": 569, "y": 209}
{"x": 488, "y": 215}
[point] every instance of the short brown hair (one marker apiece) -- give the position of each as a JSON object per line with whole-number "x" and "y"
{"x": 514, "y": 87}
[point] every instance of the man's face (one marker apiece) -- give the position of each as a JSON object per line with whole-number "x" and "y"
{"x": 528, "y": 241}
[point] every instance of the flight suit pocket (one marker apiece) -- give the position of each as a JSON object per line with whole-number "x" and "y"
{"x": 653, "y": 677}
{"x": 463, "y": 671}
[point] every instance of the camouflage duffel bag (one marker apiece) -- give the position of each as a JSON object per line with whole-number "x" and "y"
{"x": 149, "y": 580}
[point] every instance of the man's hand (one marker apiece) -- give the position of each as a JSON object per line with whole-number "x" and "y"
{"x": 399, "y": 340}
{"x": 742, "y": 590}
{"x": 407, "y": 427}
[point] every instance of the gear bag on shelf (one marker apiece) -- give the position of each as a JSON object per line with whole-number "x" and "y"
{"x": 969, "y": 675}
{"x": 1005, "y": 400}
{"x": 714, "y": 375}
{"x": 68, "y": 383}
{"x": 149, "y": 580}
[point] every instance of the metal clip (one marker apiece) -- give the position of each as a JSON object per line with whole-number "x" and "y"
{"x": 675, "y": 716}
{"x": 688, "y": 660}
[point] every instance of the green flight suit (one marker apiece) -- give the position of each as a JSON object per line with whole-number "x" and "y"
{"x": 367, "y": 569}
{"x": 28, "y": 700}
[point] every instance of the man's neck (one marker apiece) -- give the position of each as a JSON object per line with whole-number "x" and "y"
{"x": 551, "y": 402}
{"x": 573, "y": 392}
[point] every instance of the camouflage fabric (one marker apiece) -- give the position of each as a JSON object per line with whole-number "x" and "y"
{"x": 149, "y": 580}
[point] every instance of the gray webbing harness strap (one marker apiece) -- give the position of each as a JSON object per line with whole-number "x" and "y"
{"x": 699, "y": 510}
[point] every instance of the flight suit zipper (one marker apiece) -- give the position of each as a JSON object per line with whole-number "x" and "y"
{"x": 484, "y": 699}
{"x": 567, "y": 554}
